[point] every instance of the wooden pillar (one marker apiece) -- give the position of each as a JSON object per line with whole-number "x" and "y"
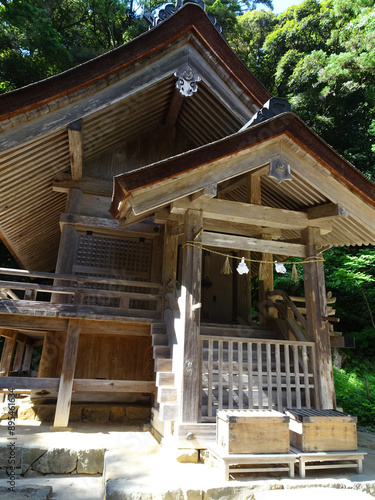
{"x": 170, "y": 252}
{"x": 265, "y": 283}
{"x": 318, "y": 330}
{"x": 190, "y": 403}
{"x": 64, "y": 397}
{"x": 68, "y": 244}
{"x": 8, "y": 352}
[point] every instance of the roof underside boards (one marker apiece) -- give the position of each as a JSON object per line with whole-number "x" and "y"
{"x": 319, "y": 176}
{"x": 125, "y": 94}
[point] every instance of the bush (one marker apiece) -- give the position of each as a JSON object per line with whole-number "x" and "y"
{"x": 352, "y": 395}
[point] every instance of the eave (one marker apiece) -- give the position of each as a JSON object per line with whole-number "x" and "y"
{"x": 319, "y": 171}
{"x": 37, "y": 99}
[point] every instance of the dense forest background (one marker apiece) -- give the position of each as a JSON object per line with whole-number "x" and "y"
{"x": 318, "y": 55}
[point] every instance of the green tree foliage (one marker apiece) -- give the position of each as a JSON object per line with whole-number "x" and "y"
{"x": 39, "y": 38}
{"x": 321, "y": 57}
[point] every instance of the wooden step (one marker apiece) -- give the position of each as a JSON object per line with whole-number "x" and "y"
{"x": 159, "y": 339}
{"x": 161, "y": 351}
{"x": 168, "y": 412}
{"x": 167, "y": 395}
{"x": 158, "y": 328}
{"x": 164, "y": 379}
{"x": 163, "y": 365}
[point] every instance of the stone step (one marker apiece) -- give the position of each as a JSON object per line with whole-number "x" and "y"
{"x": 163, "y": 365}
{"x": 161, "y": 351}
{"x": 159, "y": 339}
{"x": 164, "y": 379}
{"x": 167, "y": 395}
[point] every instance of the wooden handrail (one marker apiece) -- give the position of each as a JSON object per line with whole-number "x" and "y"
{"x": 289, "y": 303}
{"x": 73, "y": 290}
{"x": 256, "y": 341}
{"x": 80, "y": 279}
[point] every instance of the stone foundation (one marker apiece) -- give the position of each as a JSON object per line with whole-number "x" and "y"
{"x": 99, "y": 414}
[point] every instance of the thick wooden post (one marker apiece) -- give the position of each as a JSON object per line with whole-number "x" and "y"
{"x": 68, "y": 243}
{"x": 64, "y": 397}
{"x": 265, "y": 283}
{"x": 318, "y": 330}
{"x": 170, "y": 252}
{"x": 190, "y": 403}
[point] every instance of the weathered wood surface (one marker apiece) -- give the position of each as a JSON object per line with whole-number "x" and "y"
{"x": 64, "y": 397}
{"x": 96, "y": 324}
{"x": 274, "y": 462}
{"x": 316, "y": 309}
{"x": 191, "y": 282}
{"x": 90, "y": 385}
{"x": 251, "y": 373}
{"x": 253, "y": 244}
{"x": 259, "y": 434}
{"x": 71, "y": 310}
{"x": 252, "y": 214}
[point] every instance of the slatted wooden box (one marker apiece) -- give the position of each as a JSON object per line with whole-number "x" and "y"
{"x": 252, "y": 431}
{"x": 322, "y": 430}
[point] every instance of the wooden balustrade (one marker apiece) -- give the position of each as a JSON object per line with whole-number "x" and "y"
{"x": 83, "y": 290}
{"x": 243, "y": 373}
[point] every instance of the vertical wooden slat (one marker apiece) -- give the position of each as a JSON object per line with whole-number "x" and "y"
{"x": 230, "y": 375}
{"x": 250, "y": 374}
{"x": 296, "y": 376}
{"x": 306, "y": 376}
{"x": 26, "y": 364}
{"x": 210, "y": 377}
{"x": 278, "y": 378}
{"x": 7, "y": 354}
{"x": 287, "y": 377}
{"x": 269, "y": 375}
{"x": 260, "y": 376}
{"x": 220, "y": 374}
{"x": 20, "y": 349}
{"x": 240, "y": 376}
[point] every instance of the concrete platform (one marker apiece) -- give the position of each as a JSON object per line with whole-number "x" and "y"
{"x": 136, "y": 467}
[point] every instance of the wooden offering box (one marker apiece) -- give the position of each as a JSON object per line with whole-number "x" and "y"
{"x": 322, "y": 430}
{"x": 252, "y": 431}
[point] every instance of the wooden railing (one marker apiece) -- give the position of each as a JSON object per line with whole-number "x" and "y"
{"x": 104, "y": 294}
{"x": 239, "y": 373}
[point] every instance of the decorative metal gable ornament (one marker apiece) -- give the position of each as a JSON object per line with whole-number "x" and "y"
{"x": 187, "y": 80}
{"x": 280, "y": 170}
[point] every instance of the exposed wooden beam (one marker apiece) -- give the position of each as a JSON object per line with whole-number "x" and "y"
{"x": 253, "y": 214}
{"x": 89, "y": 185}
{"x": 79, "y": 385}
{"x": 205, "y": 194}
{"x": 93, "y": 326}
{"x": 253, "y": 244}
{"x": 327, "y": 211}
{"x": 174, "y": 108}
{"x": 76, "y": 149}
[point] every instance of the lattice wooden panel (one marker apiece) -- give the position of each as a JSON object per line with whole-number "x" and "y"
{"x": 114, "y": 258}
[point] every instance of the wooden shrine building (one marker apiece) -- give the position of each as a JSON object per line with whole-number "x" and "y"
{"x": 129, "y": 186}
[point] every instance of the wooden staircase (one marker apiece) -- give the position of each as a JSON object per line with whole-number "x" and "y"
{"x": 165, "y": 378}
